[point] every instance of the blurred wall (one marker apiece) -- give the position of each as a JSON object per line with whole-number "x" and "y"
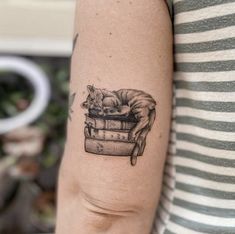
{"x": 40, "y": 31}
{"x": 40, "y": 27}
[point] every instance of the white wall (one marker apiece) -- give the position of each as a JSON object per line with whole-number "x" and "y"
{"x": 36, "y": 27}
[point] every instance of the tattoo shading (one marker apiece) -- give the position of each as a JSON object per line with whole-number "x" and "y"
{"x": 71, "y": 101}
{"x": 118, "y": 122}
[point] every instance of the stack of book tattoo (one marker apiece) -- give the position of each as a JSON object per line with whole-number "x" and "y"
{"x": 109, "y": 135}
{"x": 118, "y": 122}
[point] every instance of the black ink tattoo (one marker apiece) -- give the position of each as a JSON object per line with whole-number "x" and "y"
{"x": 118, "y": 122}
{"x": 71, "y": 101}
{"x": 75, "y": 41}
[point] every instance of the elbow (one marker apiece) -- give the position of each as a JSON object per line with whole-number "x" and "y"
{"x": 102, "y": 216}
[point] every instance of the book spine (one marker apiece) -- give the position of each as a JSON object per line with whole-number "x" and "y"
{"x": 99, "y": 123}
{"x": 111, "y": 148}
{"x": 113, "y": 124}
{"x": 107, "y": 134}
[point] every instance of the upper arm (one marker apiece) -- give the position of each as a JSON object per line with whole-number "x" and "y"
{"x": 121, "y": 45}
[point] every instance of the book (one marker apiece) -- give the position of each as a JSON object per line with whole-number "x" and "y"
{"x": 99, "y": 122}
{"x": 111, "y": 148}
{"x": 102, "y": 134}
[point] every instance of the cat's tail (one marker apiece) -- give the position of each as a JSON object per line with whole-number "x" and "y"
{"x": 141, "y": 141}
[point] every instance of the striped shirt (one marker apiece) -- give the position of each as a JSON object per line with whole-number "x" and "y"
{"x": 198, "y": 194}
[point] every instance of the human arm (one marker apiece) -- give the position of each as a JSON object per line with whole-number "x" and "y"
{"x": 121, "y": 45}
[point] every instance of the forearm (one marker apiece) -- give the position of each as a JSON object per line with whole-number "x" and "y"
{"x": 122, "y": 45}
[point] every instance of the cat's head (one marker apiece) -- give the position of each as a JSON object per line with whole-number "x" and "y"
{"x": 94, "y": 99}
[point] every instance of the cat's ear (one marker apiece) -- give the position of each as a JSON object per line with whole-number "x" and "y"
{"x": 90, "y": 88}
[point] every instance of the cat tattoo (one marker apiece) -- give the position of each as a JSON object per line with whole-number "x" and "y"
{"x": 118, "y": 122}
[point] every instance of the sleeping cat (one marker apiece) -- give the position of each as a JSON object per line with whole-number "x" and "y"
{"x": 125, "y": 102}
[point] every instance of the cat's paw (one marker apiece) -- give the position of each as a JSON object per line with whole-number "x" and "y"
{"x": 102, "y": 113}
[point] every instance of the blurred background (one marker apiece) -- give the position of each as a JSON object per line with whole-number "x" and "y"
{"x": 35, "y": 48}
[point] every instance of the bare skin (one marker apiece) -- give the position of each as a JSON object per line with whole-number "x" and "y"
{"x": 121, "y": 45}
